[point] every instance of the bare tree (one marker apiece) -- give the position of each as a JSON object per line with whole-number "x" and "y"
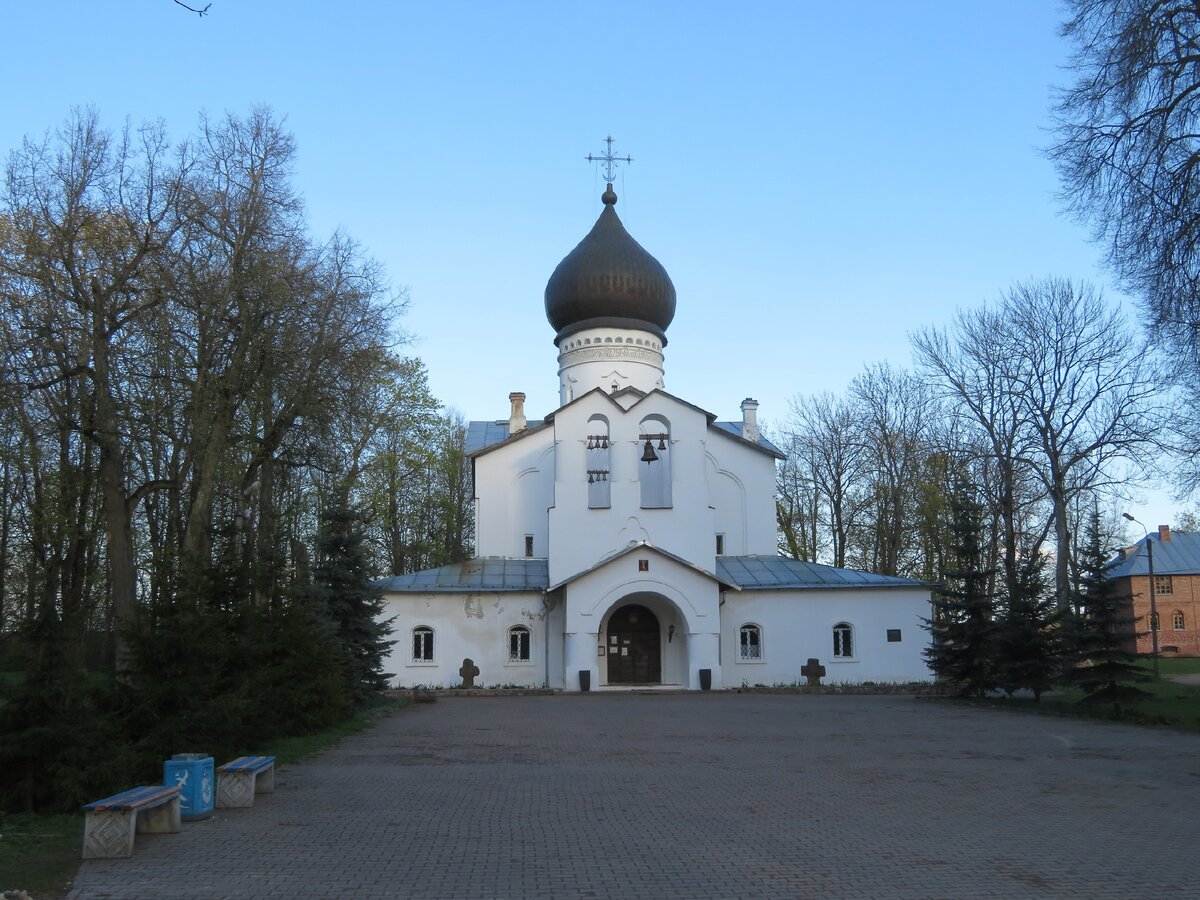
{"x": 1057, "y": 383}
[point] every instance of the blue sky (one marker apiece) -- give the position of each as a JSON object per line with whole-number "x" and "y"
{"x": 819, "y": 179}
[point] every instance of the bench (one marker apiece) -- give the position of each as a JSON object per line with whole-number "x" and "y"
{"x": 244, "y": 777}
{"x": 111, "y": 823}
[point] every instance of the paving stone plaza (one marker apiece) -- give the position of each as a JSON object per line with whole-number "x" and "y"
{"x": 701, "y": 795}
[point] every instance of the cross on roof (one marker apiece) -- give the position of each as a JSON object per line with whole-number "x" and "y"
{"x": 608, "y": 159}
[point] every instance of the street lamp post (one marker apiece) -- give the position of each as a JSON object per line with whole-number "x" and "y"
{"x": 1153, "y": 605}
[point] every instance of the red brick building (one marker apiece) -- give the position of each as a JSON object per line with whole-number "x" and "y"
{"x": 1176, "y": 557}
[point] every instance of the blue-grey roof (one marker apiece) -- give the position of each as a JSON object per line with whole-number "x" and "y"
{"x": 735, "y": 428}
{"x": 1178, "y": 556}
{"x": 488, "y": 574}
{"x": 775, "y": 572}
{"x": 484, "y": 434}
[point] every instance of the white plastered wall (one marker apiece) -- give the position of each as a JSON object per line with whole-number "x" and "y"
{"x": 514, "y": 485}
{"x": 475, "y": 626}
{"x": 798, "y": 625}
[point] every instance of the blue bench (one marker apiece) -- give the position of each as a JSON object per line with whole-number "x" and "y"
{"x": 238, "y": 781}
{"x": 110, "y": 824}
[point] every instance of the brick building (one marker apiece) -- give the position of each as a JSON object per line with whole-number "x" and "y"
{"x": 1176, "y": 558}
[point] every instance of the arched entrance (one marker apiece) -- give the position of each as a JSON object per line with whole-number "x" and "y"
{"x": 634, "y": 648}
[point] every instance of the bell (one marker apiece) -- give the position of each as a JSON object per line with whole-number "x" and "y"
{"x": 648, "y": 454}
{"x": 591, "y": 443}
{"x": 591, "y": 480}
{"x": 661, "y": 444}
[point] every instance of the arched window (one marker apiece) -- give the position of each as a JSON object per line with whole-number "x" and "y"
{"x": 422, "y": 637}
{"x": 843, "y": 640}
{"x": 1154, "y": 621}
{"x": 750, "y": 646}
{"x": 599, "y": 495}
{"x": 654, "y": 462}
{"x": 1177, "y": 620}
{"x": 518, "y": 644}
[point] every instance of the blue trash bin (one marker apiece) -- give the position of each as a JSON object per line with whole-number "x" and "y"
{"x": 194, "y": 773}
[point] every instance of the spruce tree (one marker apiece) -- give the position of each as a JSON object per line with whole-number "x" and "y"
{"x": 1028, "y": 652}
{"x": 1100, "y": 633}
{"x": 963, "y": 624}
{"x": 343, "y": 591}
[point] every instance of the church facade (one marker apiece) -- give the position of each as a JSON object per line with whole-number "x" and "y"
{"x": 628, "y": 539}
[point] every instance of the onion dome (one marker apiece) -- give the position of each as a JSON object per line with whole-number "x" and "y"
{"x": 609, "y": 280}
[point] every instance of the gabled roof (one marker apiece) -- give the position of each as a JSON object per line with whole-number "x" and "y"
{"x": 735, "y": 429}
{"x": 1178, "y": 556}
{"x": 486, "y": 435}
{"x": 640, "y": 546}
{"x": 483, "y": 436}
{"x": 490, "y": 573}
{"x": 777, "y": 573}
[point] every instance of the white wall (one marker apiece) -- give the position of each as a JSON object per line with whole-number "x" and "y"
{"x": 474, "y": 625}
{"x": 797, "y": 625}
{"x": 514, "y": 485}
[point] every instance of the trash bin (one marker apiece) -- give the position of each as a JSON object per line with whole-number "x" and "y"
{"x": 706, "y": 679}
{"x": 585, "y": 679}
{"x": 194, "y": 773}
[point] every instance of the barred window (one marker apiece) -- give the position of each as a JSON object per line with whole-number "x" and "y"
{"x": 843, "y": 639}
{"x": 422, "y": 637}
{"x": 518, "y": 644}
{"x": 750, "y": 647}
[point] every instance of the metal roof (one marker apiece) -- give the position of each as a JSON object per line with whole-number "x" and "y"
{"x": 491, "y": 573}
{"x": 775, "y": 572}
{"x": 1178, "y": 556}
{"x": 735, "y": 428}
{"x": 645, "y": 545}
{"x": 484, "y": 434}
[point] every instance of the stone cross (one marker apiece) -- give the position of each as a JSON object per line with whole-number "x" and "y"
{"x": 813, "y": 671}
{"x": 469, "y": 672}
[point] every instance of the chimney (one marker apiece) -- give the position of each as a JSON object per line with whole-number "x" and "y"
{"x": 750, "y": 420}
{"x": 516, "y": 418}
{"x": 1164, "y": 533}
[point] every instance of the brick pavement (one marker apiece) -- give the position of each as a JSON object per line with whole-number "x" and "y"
{"x": 700, "y": 795}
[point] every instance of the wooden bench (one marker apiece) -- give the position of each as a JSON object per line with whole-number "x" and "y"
{"x": 244, "y": 777}
{"x": 111, "y": 823}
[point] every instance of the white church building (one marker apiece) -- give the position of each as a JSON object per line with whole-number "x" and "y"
{"x": 629, "y": 538}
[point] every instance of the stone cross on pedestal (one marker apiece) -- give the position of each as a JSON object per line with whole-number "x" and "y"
{"x": 813, "y": 671}
{"x": 469, "y": 672}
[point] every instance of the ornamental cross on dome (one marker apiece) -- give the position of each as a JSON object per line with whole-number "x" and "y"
{"x": 609, "y": 160}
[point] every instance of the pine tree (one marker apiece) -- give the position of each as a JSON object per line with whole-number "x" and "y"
{"x": 963, "y": 624}
{"x": 342, "y": 590}
{"x": 1028, "y": 651}
{"x": 1100, "y": 632}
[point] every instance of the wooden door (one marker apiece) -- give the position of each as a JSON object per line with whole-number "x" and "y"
{"x": 634, "y": 647}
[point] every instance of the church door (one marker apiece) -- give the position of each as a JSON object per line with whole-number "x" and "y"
{"x": 634, "y": 655}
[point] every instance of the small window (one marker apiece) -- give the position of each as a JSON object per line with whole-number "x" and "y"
{"x": 422, "y": 644}
{"x": 1162, "y": 584}
{"x": 518, "y": 644}
{"x": 1177, "y": 620}
{"x": 720, "y": 545}
{"x": 750, "y": 647}
{"x": 1154, "y": 621}
{"x": 528, "y": 546}
{"x": 893, "y": 635}
{"x": 843, "y": 640}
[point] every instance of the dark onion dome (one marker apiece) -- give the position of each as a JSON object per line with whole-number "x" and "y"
{"x": 609, "y": 280}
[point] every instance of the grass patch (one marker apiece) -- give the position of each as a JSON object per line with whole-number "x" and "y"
{"x": 294, "y": 749}
{"x": 40, "y": 854}
{"x": 1170, "y": 704}
{"x": 1176, "y": 665}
